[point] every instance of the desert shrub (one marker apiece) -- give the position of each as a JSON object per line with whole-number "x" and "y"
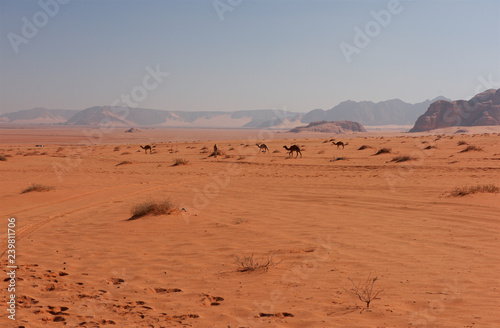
{"x": 241, "y": 157}
{"x": 364, "y": 291}
{"x": 471, "y": 148}
{"x": 60, "y": 149}
{"x": 430, "y": 147}
{"x": 461, "y": 143}
{"x": 250, "y": 264}
{"x": 2, "y": 157}
{"x": 463, "y": 191}
{"x": 37, "y": 187}
{"x": 116, "y": 149}
{"x": 383, "y": 151}
{"x": 402, "y": 158}
{"x": 364, "y": 147}
{"x": 126, "y": 153}
{"x": 123, "y": 163}
{"x": 152, "y": 207}
{"x": 180, "y": 161}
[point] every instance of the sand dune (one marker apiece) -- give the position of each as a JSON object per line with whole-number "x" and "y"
{"x": 326, "y": 218}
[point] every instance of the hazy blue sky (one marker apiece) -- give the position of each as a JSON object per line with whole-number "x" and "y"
{"x": 243, "y": 54}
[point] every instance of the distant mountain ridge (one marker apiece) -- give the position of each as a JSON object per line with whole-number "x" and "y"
{"x": 38, "y": 116}
{"x": 389, "y": 112}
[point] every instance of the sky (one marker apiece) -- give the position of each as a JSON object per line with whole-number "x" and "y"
{"x": 227, "y": 55}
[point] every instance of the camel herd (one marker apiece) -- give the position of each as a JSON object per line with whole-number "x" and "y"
{"x": 262, "y": 148}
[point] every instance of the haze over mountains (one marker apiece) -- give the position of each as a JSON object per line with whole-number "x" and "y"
{"x": 390, "y": 112}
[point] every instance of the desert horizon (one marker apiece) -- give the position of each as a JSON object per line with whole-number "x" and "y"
{"x": 252, "y": 239}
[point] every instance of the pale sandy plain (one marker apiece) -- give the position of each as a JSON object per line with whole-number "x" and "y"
{"x": 82, "y": 264}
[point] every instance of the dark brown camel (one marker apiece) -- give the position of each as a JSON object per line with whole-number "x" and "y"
{"x": 146, "y": 148}
{"x": 262, "y": 148}
{"x": 293, "y": 148}
{"x": 340, "y": 143}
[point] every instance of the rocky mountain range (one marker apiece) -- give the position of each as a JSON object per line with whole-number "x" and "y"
{"x": 482, "y": 109}
{"x": 389, "y": 112}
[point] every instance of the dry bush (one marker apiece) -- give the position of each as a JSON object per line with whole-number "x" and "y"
{"x": 250, "y": 264}
{"x": 471, "y": 148}
{"x": 219, "y": 153}
{"x": 59, "y": 149}
{"x": 116, "y": 149}
{"x": 402, "y": 158}
{"x": 463, "y": 191}
{"x": 383, "y": 151}
{"x": 461, "y": 143}
{"x": 37, "y": 187}
{"x": 180, "y": 161}
{"x": 364, "y": 291}
{"x": 2, "y": 158}
{"x": 124, "y": 162}
{"x": 241, "y": 157}
{"x": 152, "y": 207}
{"x": 364, "y": 147}
{"x": 126, "y": 153}
{"x": 204, "y": 148}
{"x": 430, "y": 147}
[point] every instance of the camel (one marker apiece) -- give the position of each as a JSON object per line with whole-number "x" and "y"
{"x": 147, "y": 147}
{"x": 293, "y": 148}
{"x": 340, "y": 143}
{"x": 262, "y": 148}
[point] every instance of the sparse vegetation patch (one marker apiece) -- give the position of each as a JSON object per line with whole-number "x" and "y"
{"x": 383, "y": 151}
{"x": 250, "y": 264}
{"x": 180, "y": 161}
{"x": 364, "y": 147}
{"x": 37, "y": 187}
{"x": 463, "y": 191}
{"x": 471, "y": 148}
{"x": 124, "y": 163}
{"x": 2, "y": 158}
{"x": 152, "y": 207}
{"x": 403, "y": 158}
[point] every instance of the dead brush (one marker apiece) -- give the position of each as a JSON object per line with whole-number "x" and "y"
{"x": 364, "y": 291}
{"x": 250, "y": 264}
{"x": 38, "y": 188}
{"x": 464, "y": 191}
{"x": 402, "y": 158}
{"x": 180, "y": 161}
{"x": 471, "y": 148}
{"x": 152, "y": 207}
{"x": 383, "y": 151}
